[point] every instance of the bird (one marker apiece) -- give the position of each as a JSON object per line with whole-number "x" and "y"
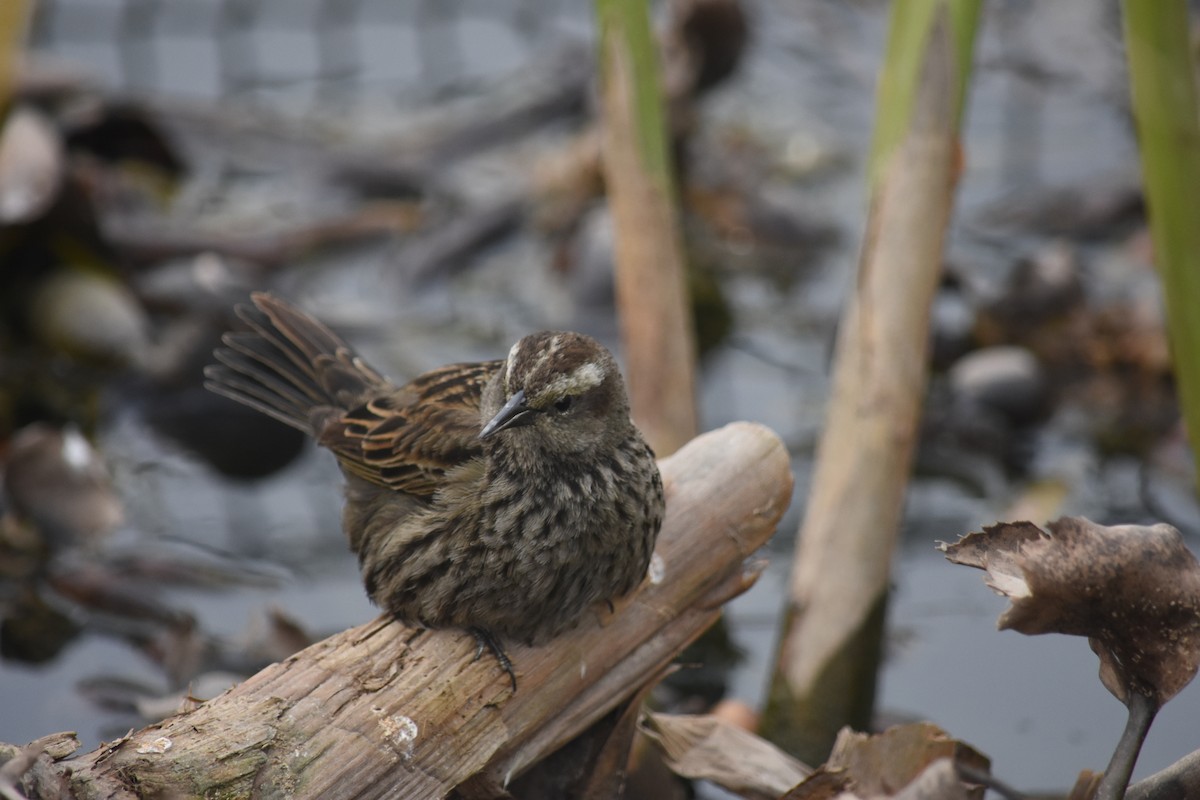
{"x": 503, "y": 497}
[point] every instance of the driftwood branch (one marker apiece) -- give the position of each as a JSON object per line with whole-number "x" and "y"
{"x": 383, "y": 710}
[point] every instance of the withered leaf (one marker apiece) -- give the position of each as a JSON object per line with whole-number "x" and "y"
{"x": 823, "y": 784}
{"x": 882, "y": 764}
{"x": 938, "y": 781}
{"x": 1133, "y": 590}
{"x": 704, "y": 747}
{"x": 905, "y": 762}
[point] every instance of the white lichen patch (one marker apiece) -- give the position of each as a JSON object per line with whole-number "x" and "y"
{"x": 657, "y": 570}
{"x": 157, "y": 747}
{"x": 400, "y": 731}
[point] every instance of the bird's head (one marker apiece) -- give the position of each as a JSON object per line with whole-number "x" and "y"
{"x": 560, "y": 388}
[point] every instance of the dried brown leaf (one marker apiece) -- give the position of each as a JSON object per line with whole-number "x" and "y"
{"x": 1133, "y": 590}
{"x": 703, "y": 747}
{"x": 883, "y": 764}
{"x": 823, "y": 784}
{"x": 938, "y": 781}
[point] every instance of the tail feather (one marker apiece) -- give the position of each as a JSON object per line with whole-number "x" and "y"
{"x": 252, "y": 350}
{"x": 294, "y": 334}
{"x": 289, "y": 366}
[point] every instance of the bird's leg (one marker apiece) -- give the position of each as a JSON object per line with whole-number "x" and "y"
{"x": 484, "y": 639}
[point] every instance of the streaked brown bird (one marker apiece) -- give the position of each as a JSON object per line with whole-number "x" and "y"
{"x": 502, "y": 497}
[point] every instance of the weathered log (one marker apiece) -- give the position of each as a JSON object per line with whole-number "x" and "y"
{"x": 384, "y": 710}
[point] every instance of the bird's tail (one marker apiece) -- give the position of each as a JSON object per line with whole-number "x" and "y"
{"x": 289, "y": 366}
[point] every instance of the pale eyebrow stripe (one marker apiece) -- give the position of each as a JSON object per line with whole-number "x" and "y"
{"x": 551, "y": 348}
{"x": 508, "y": 367}
{"x": 577, "y": 381}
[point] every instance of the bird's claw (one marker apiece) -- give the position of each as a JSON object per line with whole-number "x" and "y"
{"x": 485, "y": 640}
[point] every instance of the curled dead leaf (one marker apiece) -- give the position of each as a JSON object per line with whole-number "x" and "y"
{"x": 823, "y": 784}
{"x": 1133, "y": 590}
{"x": 904, "y": 762}
{"x": 938, "y": 781}
{"x": 882, "y": 764}
{"x": 704, "y": 747}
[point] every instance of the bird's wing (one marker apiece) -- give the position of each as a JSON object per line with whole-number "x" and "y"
{"x": 406, "y": 439}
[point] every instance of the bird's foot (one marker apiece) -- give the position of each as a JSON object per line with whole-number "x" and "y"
{"x": 607, "y": 610}
{"x": 485, "y": 640}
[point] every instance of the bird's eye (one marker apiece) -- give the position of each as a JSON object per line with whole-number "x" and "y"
{"x": 563, "y": 403}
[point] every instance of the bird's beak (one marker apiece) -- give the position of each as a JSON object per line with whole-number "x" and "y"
{"x": 514, "y": 414}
